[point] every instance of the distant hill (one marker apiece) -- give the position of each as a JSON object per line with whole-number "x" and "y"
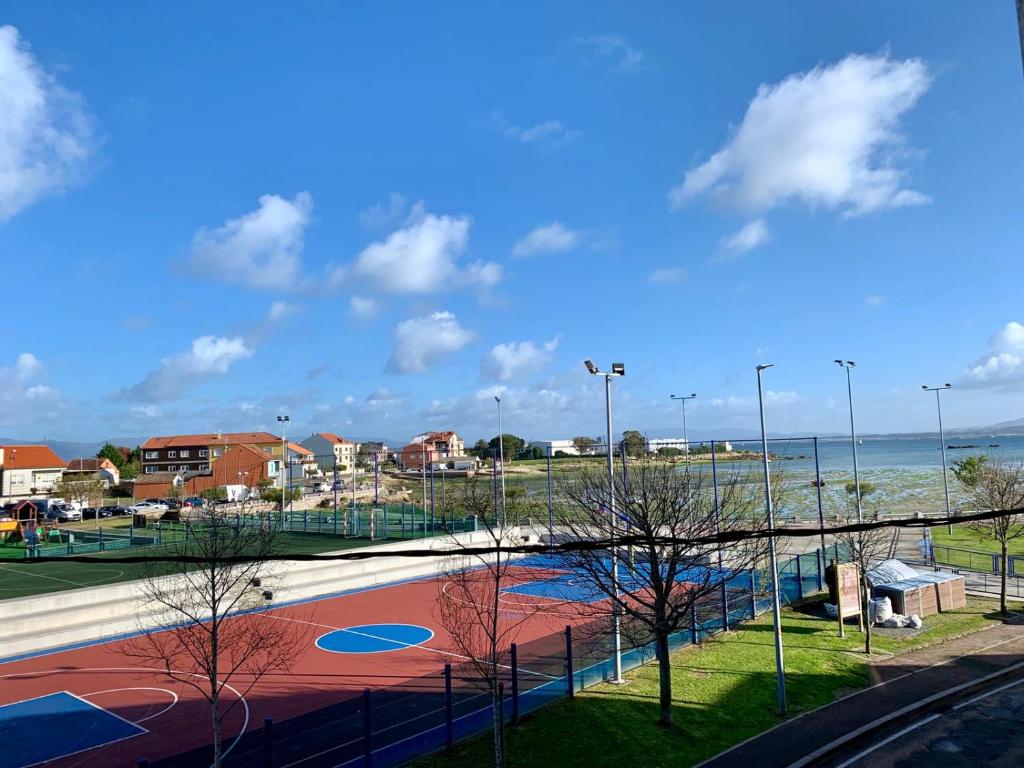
{"x": 67, "y": 449}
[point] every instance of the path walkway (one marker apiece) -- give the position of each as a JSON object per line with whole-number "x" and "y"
{"x": 903, "y": 687}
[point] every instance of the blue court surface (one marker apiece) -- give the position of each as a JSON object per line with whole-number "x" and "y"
{"x": 60, "y": 724}
{"x": 374, "y": 638}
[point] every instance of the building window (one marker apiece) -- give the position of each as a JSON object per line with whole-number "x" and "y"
{"x": 183, "y": 454}
{"x": 204, "y": 452}
{"x": 172, "y": 454}
{"x": 172, "y": 467}
{"x": 203, "y": 467}
{"x": 267, "y": 449}
{"x": 150, "y": 470}
{"x": 217, "y": 452}
{"x": 151, "y": 454}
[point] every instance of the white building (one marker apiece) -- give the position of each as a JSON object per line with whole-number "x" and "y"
{"x": 330, "y": 449}
{"x": 554, "y": 446}
{"x": 656, "y": 443}
{"x": 28, "y": 470}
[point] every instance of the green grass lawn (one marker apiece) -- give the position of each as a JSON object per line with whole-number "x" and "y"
{"x": 724, "y": 693}
{"x": 964, "y": 537}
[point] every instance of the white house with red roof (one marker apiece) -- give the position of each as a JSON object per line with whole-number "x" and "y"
{"x": 28, "y": 470}
{"x": 330, "y": 449}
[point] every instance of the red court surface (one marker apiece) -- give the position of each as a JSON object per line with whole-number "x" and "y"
{"x": 172, "y": 718}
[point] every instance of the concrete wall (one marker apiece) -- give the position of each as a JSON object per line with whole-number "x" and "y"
{"x": 33, "y": 624}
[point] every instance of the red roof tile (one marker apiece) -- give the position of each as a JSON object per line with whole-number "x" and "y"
{"x": 30, "y": 457}
{"x": 210, "y": 438}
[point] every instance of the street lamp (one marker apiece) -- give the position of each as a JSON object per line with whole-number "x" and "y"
{"x": 684, "y": 398}
{"x": 780, "y": 671}
{"x": 501, "y": 458}
{"x": 942, "y": 447}
{"x": 283, "y": 420}
{"x": 618, "y": 369}
{"x": 848, "y": 364}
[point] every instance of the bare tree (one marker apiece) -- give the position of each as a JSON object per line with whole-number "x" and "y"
{"x": 662, "y": 579}
{"x": 998, "y": 485}
{"x": 866, "y": 549}
{"x": 84, "y": 491}
{"x": 207, "y": 624}
{"x": 470, "y": 587}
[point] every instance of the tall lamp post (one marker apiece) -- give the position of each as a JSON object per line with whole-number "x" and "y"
{"x": 618, "y": 369}
{"x": 684, "y": 398}
{"x": 283, "y": 420}
{"x": 780, "y": 670}
{"x": 848, "y": 364}
{"x": 501, "y": 458}
{"x": 942, "y": 446}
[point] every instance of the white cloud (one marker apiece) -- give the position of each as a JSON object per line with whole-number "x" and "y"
{"x": 27, "y": 367}
{"x": 746, "y": 238}
{"x": 737, "y": 404}
{"x": 46, "y": 133}
{"x": 209, "y": 356}
{"x": 362, "y": 308}
{"x": 551, "y": 238}
{"x": 1002, "y": 365}
{"x": 667, "y": 276}
{"x": 422, "y": 341}
{"x": 507, "y": 361}
{"x": 260, "y": 249}
{"x": 380, "y": 216}
{"x": 613, "y": 48}
{"x": 421, "y": 257}
{"x": 829, "y": 137}
{"x": 550, "y": 134}
{"x": 280, "y": 310}
{"x": 874, "y": 301}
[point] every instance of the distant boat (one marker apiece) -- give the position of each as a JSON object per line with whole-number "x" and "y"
{"x": 861, "y": 441}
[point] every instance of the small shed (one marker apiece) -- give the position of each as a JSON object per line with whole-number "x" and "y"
{"x": 924, "y": 593}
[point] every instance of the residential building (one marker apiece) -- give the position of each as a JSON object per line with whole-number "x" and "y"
{"x": 101, "y": 469}
{"x": 301, "y": 462}
{"x": 565, "y": 446}
{"x": 380, "y": 450}
{"x": 28, "y": 470}
{"x": 331, "y": 449}
{"x": 196, "y": 453}
{"x": 238, "y": 467}
{"x": 431, "y": 448}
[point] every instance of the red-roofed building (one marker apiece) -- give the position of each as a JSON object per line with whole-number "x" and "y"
{"x": 198, "y": 453}
{"x": 331, "y": 449}
{"x": 238, "y": 466}
{"x": 28, "y": 470}
{"x": 101, "y": 469}
{"x": 431, "y": 448}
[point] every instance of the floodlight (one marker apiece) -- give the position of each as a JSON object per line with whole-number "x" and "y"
{"x": 618, "y": 369}
{"x": 590, "y": 366}
{"x": 768, "y": 365}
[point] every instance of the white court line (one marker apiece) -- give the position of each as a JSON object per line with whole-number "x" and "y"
{"x": 404, "y": 645}
{"x": 172, "y": 694}
{"x": 41, "y": 576}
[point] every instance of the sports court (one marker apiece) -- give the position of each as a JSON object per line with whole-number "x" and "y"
{"x": 92, "y": 706}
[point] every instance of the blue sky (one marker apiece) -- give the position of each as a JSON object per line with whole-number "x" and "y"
{"x": 374, "y": 217}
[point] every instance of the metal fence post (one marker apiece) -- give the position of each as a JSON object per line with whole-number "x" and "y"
{"x": 268, "y": 742}
{"x": 995, "y": 559}
{"x": 753, "y": 594}
{"x": 818, "y": 557}
{"x": 515, "y": 684}
{"x": 569, "y": 675}
{"x": 821, "y": 508}
{"x": 367, "y": 730}
{"x": 449, "y": 735}
{"x": 799, "y": 580}
{"x": 693, "y": 624}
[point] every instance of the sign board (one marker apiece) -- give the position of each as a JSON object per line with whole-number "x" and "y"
{"x": 848, "y": 588}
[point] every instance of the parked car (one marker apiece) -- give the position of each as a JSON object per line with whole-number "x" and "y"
{"x": 90, "y": 513}
{"x": 63, "y": 513}
{"x": 148, "y": 508}
{"x": 111, "y": 510}
{"x": 170, "y": 503}
{"x": 193, "y": 501}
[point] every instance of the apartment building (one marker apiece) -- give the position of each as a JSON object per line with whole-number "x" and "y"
{"x": 197, "y": 453}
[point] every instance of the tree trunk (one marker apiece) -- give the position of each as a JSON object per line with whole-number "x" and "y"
{"x": 664, "y": 679}
{"x": 217, "y": 726}
{"x": 1003, "y": 566}
{"x": 499, "y": 731}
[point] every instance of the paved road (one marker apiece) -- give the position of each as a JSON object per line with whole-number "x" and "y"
{"x": 900, "y": 685}
{"x": 987, "y": 729}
